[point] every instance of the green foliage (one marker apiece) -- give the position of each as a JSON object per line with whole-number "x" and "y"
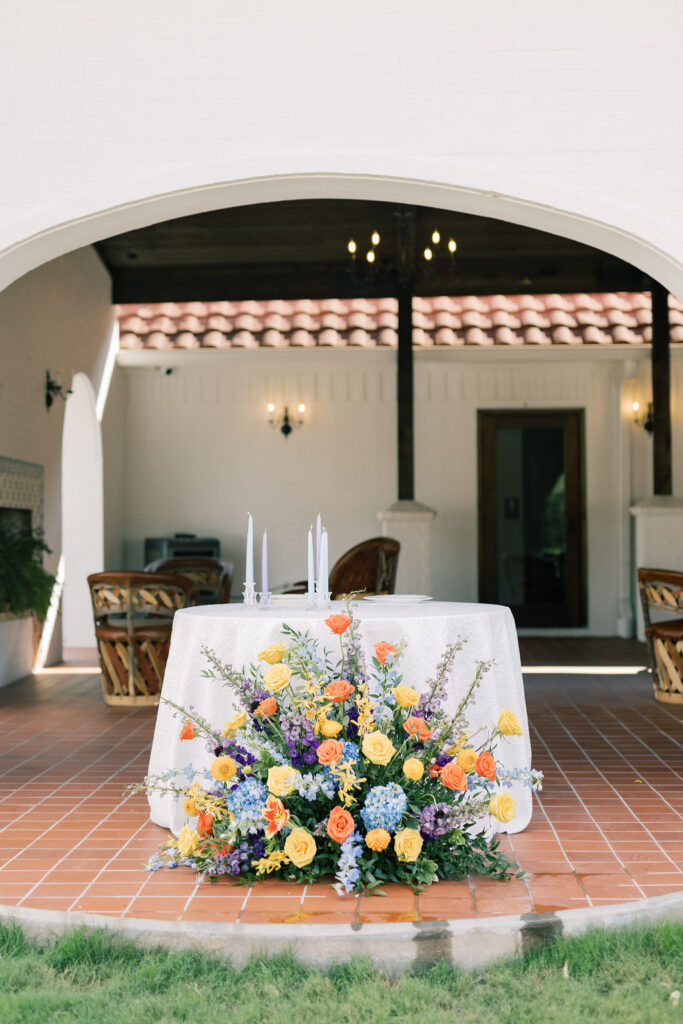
{"x": 24, "y": 584}
{"x": 88, "y": 976}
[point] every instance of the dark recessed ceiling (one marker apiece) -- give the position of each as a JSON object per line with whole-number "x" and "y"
{"x": 297, "y": 249}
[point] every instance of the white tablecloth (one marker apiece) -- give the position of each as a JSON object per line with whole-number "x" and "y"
{"x": 236, "y": 634}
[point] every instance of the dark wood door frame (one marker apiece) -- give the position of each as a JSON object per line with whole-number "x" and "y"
{"x": 572, "y": 423}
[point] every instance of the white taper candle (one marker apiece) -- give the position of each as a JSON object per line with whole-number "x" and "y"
{"x": 249, "y": 571}
{"x": 311, "y": 570}
{"x": 264, "y": 564}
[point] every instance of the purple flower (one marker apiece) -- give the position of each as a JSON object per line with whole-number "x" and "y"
{"x": 435, "y": 821}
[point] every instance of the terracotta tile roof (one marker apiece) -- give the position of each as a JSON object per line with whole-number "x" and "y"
{"x": 621, "y": 318}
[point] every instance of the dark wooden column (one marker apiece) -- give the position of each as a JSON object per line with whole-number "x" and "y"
{"x": 661, "y": 390}
{"x": 406, "y": 447}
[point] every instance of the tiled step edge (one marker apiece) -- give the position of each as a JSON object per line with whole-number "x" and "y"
{"x": 468, "y": 943}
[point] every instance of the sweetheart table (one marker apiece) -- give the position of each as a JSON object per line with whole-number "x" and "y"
{"x": 236, "y": 634}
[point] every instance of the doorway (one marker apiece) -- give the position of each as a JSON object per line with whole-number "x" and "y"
{"x": 532, "y": 551}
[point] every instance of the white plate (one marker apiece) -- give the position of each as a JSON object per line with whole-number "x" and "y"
{"x": 288, "y": 598}
{"x": 398, "y": 598}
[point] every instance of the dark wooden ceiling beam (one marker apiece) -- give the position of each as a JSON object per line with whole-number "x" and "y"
{"x": 316, "y": 281}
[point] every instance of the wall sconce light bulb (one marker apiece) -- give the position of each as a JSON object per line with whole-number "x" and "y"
{"x": 436, "y": 237}
{"x": 370, "y": 256}
{"x": 302, "y": 408}
{"x": 374, "y": 238}
{"x": 351, "y": 246}
{"x": 452, "y": 245}
{"x": 635, "y": 406}
{"x": 428, "y": 254}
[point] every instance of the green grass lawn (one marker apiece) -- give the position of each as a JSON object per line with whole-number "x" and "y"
{"x": 90, "y": 976}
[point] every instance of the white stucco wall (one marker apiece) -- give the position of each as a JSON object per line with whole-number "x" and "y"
{"x": 200, "y": 454}
{"x": 57, "y": 318}
{"x": 563, "y": 116}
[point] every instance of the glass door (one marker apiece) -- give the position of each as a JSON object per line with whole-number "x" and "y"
{"x": 532, "y": 515}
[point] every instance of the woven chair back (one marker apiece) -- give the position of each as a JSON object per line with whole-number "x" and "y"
{"x": 211, "y": 576}
{"x": 661, "y": 595}
{"x": 133, "y": 620}
{"x": 370, "y": 567}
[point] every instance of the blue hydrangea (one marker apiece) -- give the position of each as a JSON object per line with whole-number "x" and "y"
{"x": 384, "y": 807}
{"x": 350, "y": 752}
{"x": 246, "y": 802}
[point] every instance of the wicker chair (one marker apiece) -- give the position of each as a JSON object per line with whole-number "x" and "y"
{"x": 211, "y": 576}
{"x": 133, "y": 619}
{"x": 661, "y": 591}
{"x": 370, "y": 567}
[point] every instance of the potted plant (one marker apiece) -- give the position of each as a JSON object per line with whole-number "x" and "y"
{"x": 25, "y": 592}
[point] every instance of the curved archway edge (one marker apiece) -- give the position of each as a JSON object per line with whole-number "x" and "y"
{"x": 49, "y": 243}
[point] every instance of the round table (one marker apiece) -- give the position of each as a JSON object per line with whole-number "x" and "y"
{"x": 236, "y": 634}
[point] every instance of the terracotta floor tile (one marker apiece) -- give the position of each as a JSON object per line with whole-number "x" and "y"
{"x": 104, "y": 833}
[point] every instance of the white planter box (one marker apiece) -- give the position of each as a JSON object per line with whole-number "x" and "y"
{"x": 16, "y": 647}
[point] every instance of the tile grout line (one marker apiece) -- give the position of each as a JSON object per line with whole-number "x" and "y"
{"x": 618, "y": 794}
{"x": 110, "y": 861}
{"x": 83, "y": 838}
{"x": 588, "y": 812}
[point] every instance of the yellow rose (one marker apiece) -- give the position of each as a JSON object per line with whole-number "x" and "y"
{"x": 509, "y": 724}
{"x": 235, "y": 723}
{"x": 277, "y": 677}
{"x": 190, "y": 807}
{"x": 188, "y": 841}
{"x": 413, "y": 768}
{"x": 503, "y": 807}
{"x": 300, "y": 847}
{"x": 329, "y": 728}
{"x": 273, "y": 654}
{"x": 406, "y": 696}
{"x": 378, "y": 839}
{"x": 281, "y": 779}
{"x": 224, "y": 769}
{"x": 408, "y": 844}
{"x": 467, "y": 759}
{"x": 378, "y": 748}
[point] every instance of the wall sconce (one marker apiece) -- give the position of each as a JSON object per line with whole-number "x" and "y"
{"x": 54, "y": 390}
{"x": 286, "y": 424}
{"x": 644, "y": 420}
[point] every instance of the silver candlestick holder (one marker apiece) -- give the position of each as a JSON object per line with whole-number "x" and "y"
{"x": 249, "y": 592}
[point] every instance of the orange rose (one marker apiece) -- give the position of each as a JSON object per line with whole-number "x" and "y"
{"x": 382, "y": 650}
{"x": 266, "y": 708}
{"x": 486, "y": 766}
{"x": 338, "y": 623}
{"x": 329, "y": 751}
{"x": 434, "y": 771}
{"x": 417, "y": 727}
{"x": 340, "y": 824}
{"x": 187, "y": 731}
{"x": 205, "y": 824}
{"x": 339, "y": 690}
{"x": 453, "y": 777}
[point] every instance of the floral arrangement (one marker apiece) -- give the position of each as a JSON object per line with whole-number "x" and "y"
{"x": 338, "y": 768}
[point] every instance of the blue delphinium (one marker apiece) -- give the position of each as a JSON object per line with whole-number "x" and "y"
{"x": 347, "y": 866}
{"x": 310, "y": 786}
{"x": 246, "y": 802}
{"x": 384, "y": 807}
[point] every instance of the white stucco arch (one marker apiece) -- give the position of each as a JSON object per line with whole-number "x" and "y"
{"x": 128, "y": 205}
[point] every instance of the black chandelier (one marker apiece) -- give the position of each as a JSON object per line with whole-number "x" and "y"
{"x": 413, "y": 259}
